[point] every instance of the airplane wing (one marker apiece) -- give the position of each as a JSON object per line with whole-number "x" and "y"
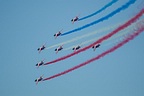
{"x": 39, "y": 51}
{"x": 37, "y": 66}
{"x": 42, "y": 75}
{"x": 36, "y": 82}
{"x": 74, "y": 49}
{"x": 94, "y": 48}
{"x": 56, "y": 51}
{"x": 61, "y": 30}
{"x": 55, "y": 36}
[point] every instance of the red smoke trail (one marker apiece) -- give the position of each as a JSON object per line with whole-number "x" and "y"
{"x": 101, "y": 39}
{"x": 130, "y": 37}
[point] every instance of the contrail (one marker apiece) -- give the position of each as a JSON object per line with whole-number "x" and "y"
{"x": 123, "y": 7}
{"x": 100, "y": 10}
{"x": 85, "y": 35}
{"x": 129, "y": 22}
{"x": 130, "y": 37}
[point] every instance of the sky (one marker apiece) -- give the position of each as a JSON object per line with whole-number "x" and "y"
{"x": 26, "y": 25}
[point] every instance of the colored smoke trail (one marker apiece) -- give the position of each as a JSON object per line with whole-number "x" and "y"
{"x": 103, "y": 8}
{"x": 94, "y": 39}
{"x": 124, "y": 32}
{"x": 130, "y": 37}
{"x": 85, "y": 35}
{"x": 132, "y": 20}
{"x": 128, "y": 31}
{"x": 123, "y": 7}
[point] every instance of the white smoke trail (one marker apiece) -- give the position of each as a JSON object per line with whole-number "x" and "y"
{"x": 85, "y": 35}
{"x": 123, "y": 32}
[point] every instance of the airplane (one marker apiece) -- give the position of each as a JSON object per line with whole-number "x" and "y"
{"x": 39, "y": 79}
{"x": 40, "y": 63}
{"x": 59, "y": 49}
{"x": 96, "y": 46}
{"x": 76, "y": 47}
{"x": 74, "y": 19}
{"x": 57, "y": 34}
{"x": 41, "y": 48}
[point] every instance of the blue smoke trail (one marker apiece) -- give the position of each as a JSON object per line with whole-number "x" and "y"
{"x": 123, "y": 7}
{"x": 103, "y": 8}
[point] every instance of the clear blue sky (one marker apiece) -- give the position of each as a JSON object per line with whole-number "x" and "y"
{"x": 27, "y": 24}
